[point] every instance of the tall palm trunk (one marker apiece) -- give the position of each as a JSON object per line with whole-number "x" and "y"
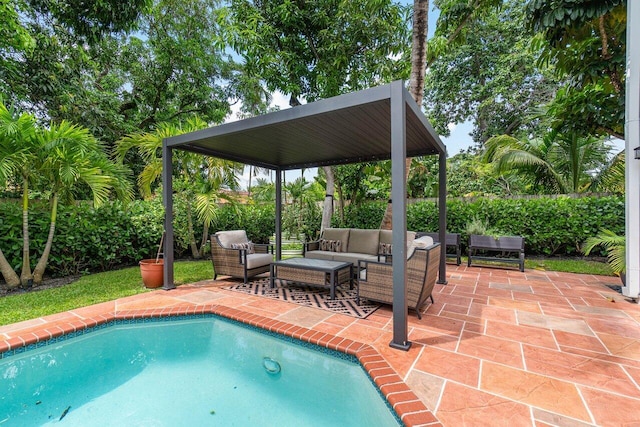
{"x": 25, "y": 276}
{"x": 418, "y": 71}
{"x": 327, "y": 209}
{"x": 38, "y": 272}
{"x": 10, "y": 276}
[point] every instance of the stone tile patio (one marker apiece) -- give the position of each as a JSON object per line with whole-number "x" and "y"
{"x": 498, "y": 347}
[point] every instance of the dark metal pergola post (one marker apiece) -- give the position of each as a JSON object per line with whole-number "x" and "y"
{"x": 400, "y": 338}
{"x": 442, "y": 217}
{"x": 278, "y": 214}
{"x": 167, "y": 197}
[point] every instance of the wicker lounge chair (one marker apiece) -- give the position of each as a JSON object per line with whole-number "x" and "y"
{"x": 234, "y": 255}
{"x": 375, "y": 279}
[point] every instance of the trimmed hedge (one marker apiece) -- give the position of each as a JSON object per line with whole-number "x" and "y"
{"x": 89, "y": 239}
{"x": 550, "y": 226}
{"x": 92, "y": 239}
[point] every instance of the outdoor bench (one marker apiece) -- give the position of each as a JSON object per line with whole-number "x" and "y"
{"x": 452, "y": 243}
{"x": 503, "y": 249}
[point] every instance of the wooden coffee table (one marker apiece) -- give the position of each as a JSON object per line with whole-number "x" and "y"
{"x": 310, "y": 271}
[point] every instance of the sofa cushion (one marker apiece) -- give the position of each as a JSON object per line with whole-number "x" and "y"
{"x": 325, "y": 255}
{"x": 363, "y": 241}
{"x": 226, "y": 238}
{"x": 354, "y": 257}
{"x": 341, "y": 234}
{"x": 421, "y": 242}
{"x": 258, "y": 260}
{"x": 386, "y": 236}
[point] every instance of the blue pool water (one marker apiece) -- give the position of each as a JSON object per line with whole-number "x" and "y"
{"x": 194, "y": 372}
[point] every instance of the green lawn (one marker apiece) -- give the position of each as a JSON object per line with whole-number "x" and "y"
{"x": 91, "y": 289}
{"x": 101, "y": 287}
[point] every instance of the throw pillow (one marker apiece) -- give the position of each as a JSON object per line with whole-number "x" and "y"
{"x": 330, "y": 245}
{"x": 248, "y": 246}
{"x": 385, "y": 248}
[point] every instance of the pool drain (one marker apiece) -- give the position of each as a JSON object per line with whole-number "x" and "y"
{"x": 271, "y": 366}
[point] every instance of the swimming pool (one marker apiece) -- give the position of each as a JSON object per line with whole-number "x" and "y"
{"x": 206, "y": 371}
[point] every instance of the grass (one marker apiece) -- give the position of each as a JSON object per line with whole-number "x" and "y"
{"x": 107, "y": 286}
{"x": 91, "y": 289}
{"x": 577, "y": 265}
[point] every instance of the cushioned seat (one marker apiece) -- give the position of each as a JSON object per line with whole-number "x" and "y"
{"x": 234, "y": 255}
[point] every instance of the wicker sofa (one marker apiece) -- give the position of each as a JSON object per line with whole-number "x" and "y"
{"x": 355, "y": 244}
{"x": 375, "y": 279}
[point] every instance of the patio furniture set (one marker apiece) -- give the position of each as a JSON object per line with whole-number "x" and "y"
{"x": 359, "y": 257}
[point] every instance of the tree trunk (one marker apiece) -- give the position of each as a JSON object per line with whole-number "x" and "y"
{"x": 340, "y": 202}
{"x": 249, "y": 186}
{"x": 419, "y": 49}
{"x": 327, "y": 209}
{"x": 26, "y": 276}
{"x": 205, "y": 237}
{"x": 38, "y": 272}
{"x": 192, "y": 237}
{"x": 418, "y": 71}
{"x": 10, "y": 276}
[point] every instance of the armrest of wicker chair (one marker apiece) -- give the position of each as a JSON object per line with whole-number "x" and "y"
{"x": 310, "y": 246}
{"x": 376, "y": 283}
{"x": 264, "y": 248}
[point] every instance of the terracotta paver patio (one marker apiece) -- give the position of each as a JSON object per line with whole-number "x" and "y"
{"x": 498, "y": 347}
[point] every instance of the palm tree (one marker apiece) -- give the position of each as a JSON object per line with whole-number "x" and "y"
{"x": 615, "y": 246}
{"x": 71, "y": 157}
{"x": 14, "y": 129}
{"x": 418, "y": 71}
{"x": 54, "y": 161}
{"x": 264, "y": 191}
{"x": 556, "y": 164}
{"x": 17, "y": 152}
{"x": 255, "y": 171}
{"x": 611, "y": 177}
{"x": 198, "y": 179}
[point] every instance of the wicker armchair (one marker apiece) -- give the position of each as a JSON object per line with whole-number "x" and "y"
{"x": 375, "y": 279}
{"x": 234, "y": 255}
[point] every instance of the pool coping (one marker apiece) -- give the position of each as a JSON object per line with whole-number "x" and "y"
{"x": 410, "y": 409}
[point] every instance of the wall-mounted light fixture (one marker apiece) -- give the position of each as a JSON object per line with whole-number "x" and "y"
{"x": 637, "y": 150}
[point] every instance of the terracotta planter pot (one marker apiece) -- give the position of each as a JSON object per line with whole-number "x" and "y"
{"x": 152, "y": 273}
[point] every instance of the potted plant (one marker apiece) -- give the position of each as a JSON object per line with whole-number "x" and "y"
{"x": 615, "y": 247}
{"x": 152, "y": 270}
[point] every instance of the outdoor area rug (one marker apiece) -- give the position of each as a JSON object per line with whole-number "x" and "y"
{"x": 311, "y": 296}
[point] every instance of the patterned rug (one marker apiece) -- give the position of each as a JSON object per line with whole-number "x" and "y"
{"x": 311, "y": 296}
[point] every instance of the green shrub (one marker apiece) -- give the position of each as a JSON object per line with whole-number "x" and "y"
{"x": 549, "y": 225}
{"x": 92, "y": 239}
{"x": 367, "y": 215}
{"x": 259, "y": 221}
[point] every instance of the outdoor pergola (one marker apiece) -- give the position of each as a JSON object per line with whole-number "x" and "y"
{"x": 374, "y": 124}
